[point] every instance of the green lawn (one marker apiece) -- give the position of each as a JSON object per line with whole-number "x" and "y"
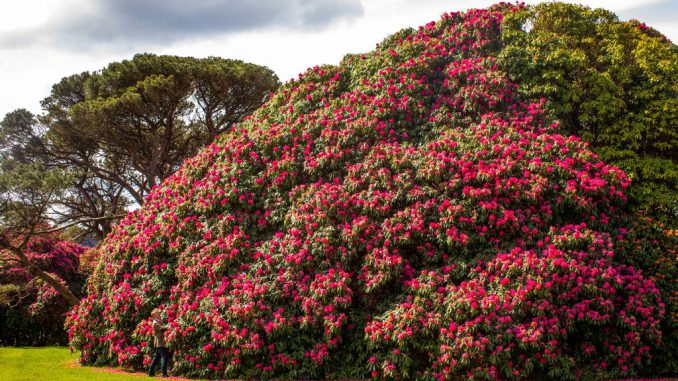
{"x": 58, "y": 364}
{"x": 52, "y": 364}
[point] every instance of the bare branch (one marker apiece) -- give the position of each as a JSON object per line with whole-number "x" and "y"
{"x": 86, "y": 220}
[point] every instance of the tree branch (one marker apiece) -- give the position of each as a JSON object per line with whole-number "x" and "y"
{"x": 86, "y": 220}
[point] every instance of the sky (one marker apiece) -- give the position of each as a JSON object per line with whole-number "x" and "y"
{"x": 42, "y": 41}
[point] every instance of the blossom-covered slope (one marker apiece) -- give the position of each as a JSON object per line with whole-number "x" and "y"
{"x": 403, "y": 214}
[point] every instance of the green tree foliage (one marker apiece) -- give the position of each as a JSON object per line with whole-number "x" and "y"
{"x": 611, "y": 82}
{"x": 20, "y": 140}
{"x": 134, "y": 122}
{"x": 118, "y": 132}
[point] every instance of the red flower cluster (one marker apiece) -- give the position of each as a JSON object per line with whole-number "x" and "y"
{"x": 564, "y": 308}
{"x": 59, "y": 258}
{"x": 39, "y": 314}
{"x": 403, "y": 214}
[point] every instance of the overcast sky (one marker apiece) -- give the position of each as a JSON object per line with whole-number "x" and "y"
{"x": 42, "y": 41}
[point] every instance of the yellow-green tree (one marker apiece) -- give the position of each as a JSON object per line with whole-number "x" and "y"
{"x": 611, "y": 82}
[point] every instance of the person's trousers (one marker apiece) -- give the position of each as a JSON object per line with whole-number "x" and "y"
{"x": 160, "y": 355}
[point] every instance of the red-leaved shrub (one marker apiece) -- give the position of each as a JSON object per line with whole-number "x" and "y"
{"x": 35, "y": 312}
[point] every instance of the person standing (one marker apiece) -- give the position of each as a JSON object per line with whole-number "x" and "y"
{"x": 159, "y": 343}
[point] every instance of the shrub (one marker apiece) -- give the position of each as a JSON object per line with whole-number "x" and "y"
{"x": 404, "y": 214}
{"x": 31, "y": 312}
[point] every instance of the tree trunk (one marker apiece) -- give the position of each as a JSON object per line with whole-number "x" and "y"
{"x": 55, "y": 284}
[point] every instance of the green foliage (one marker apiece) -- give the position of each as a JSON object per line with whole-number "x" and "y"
{"x": 8, "y": 293}
{"x": 124, "y": 129}
{"x": 611, "y": 82}
{"x": 27, "y": 190}
{"x": 19, "y": 139}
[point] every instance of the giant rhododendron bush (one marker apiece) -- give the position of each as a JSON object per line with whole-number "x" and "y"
{"x": 403, "y": 214}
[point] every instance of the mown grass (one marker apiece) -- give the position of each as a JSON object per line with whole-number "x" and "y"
{"x": 53, "y": 364}
{"x": 59, "y": 364}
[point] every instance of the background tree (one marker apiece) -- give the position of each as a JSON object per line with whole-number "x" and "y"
{"x": 133, "y": 123}
{"x": 27, "y": 192}
{"x": 119, "y": 132}
{"x": 21, "y": 139}
{"x": 611, "y": 82}
{"x": 94, "y": 202}
{"x": 33, "y": 195}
